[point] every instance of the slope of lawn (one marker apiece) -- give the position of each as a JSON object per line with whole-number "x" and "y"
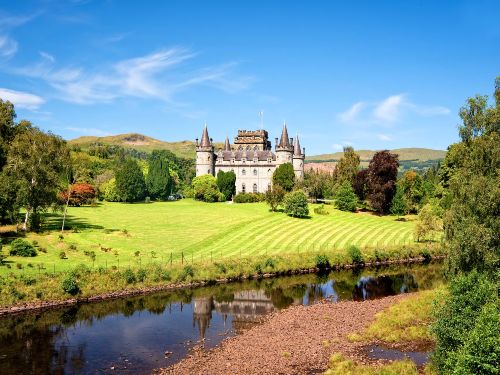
{"x": 200, "y": 232}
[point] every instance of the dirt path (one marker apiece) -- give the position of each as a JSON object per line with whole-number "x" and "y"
{"x": 298, "y": 340}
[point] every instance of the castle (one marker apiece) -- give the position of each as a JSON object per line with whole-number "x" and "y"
{"x": 250, "y": 157}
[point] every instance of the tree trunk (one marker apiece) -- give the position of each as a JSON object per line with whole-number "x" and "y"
{"x": 26, "y": 217}
{"x": 66, "y": 209}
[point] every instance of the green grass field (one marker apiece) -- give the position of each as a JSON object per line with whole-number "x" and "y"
{"x": 201, "y": 232}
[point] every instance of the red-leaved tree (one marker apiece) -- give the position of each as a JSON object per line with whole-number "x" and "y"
{"x": 382, "y": 175}
{"x": 80, "y": 193}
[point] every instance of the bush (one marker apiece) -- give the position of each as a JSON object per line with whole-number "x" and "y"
{"x": 458, "y": 320}
{"x": 141, "y": 275}
{"x": 321, "y": 210}
{"x": 70, "y": 285}
{"x": 322, "y": 262}
{"x": 165, "y": 276}
{"x": 426, "y": 254}
{"x": 274, "y": 197}
{"x": 110, "y": 192}
{"x": 355, "y": 254}
{"x": 129, "y": 276}
{"x": 346, "y": 199}
{"x": 205, "y": 189}
{"x": 220, "y": 267}
{"x": 270, "y": 263}
{"x": 258, "y": 269}
{"x": 295, "y": 204}
{"x": 249, "y": 198}
{"x": 80, "y": 193}
{"x": 186, "y": 272}
{"x": 62, "y": 255}
{"x": 22, "y": 248}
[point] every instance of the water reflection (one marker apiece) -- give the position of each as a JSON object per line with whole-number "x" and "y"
{"x": 131, "y": 335}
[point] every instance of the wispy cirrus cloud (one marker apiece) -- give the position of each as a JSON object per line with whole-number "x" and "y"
{"x": 8, "y": 46}
{"x": 387, "y": 111}
{"x": 21, "y": 99}
{"x": 148, "y": 76}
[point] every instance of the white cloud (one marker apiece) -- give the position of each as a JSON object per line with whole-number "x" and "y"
{"x": 352, "y": 113}
{"x": 47, "y": 56}
{"x": 384, "y": 137}
{"x": 8, "y": 46}
{"x": 145, "y": 76}
{"x": 21, "y": 99}
{"x": 389, "y": 109}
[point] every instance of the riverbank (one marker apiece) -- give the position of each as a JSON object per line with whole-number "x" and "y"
{"x": 25, "y": 293}
{"x": 297, "y": 340}
{"x": 48, "y": 291}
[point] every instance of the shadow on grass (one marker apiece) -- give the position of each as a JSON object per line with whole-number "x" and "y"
{"x": 53, "y": 221}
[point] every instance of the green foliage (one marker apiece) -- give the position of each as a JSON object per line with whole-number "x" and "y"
{"x": 284, "y": 176}
{"x": 22, "y": 248}
{"x": 295, "y": 204}
{"x": 355, "y": 255}
{"x": 110, "y": 191}
{"x": 226, "y": 182}
{"x": 249, "y": 198}
{"x": 427, "y": 224}
{"x": 411, "y": 185}
{"x": 341, "y": 366}
{"x": 130, "y": 183}
{"x": 62, "y": 255}
{"x": 141, "y": 275}
{"x": 70, "y": 285}
{"x": 270, "y": 263}
{"x": 158, "y": 181}
{"x": 458, "y": 320}
{"x": 274, "y": 197}
{"x": 347, "y": 167}
{"x": 345, "y": 198}
{"x": 205, "y": 189}
{"x": 220, "y": 267}
{"x": 321, "y": 210}
{"x": 187, "y": 271}
{"x": 318, "y": 184}
{"x": 129, "y": 276}
{"x": 398, "y": 206}
{"x": 381, "y": 180}
{"x": 322, "y": 261}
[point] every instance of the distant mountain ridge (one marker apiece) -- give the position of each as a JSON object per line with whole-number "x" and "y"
{"x": 186, "y": 149}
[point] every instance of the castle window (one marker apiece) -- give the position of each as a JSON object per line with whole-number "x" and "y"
{"x": 268, "y": 186}
{"x": 208, "y": 157}
{"x": 243, "y": 189}
{"x": 208, "y": 171}
{"x": 255, "y": 188}
{"x": 255, "y": 172}
{"x": 243, "y": 172}
{"x": 269, "y": 171}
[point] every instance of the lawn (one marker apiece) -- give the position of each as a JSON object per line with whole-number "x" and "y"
{"x": 200, "y": 232}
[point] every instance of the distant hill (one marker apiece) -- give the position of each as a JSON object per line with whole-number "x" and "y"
{"x": 416, "y": 154}
{"x": 139, "y": 142}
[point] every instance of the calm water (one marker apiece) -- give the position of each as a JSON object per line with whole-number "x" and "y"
{"x": 131, "y": 335}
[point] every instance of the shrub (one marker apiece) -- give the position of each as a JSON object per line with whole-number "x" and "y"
{"x": 355, "y": 254}
{"x": 22, "y": 248}
{"x": 322, "y": 262}
{"x": 274, "y": 197}
{"x": 321, "y": 210}
{"x": 28, "y": 280}
{"x": 220, "y": 267}
{"x": 141, "y": 275}
{"x": 258, "y": 268}
{"x": 205, "y": 188}
{"x": 129, "y": 276}
{"x": 17, "y": 294}
{"x": 346, "y": 199}
{"x": 426, "y": 254}
{"x": 295, "y": 204}
{"x": 165, "y": 276}
{"x": 186, "y": 272}
{"x": 270, "y": 263}
{"x": 70, "y": 285}
{"x": 80, "y": 193}
{"x": 62, "y": 255}
{"x": 249, "y": 198}
{"x": 458, "y": 320}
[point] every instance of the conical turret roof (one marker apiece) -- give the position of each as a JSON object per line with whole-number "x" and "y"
{"x": 227, "y": 146}
{"x": 205, "y": 140}
{"x": 284, "y": 141}
{"x": 296, "y": 149}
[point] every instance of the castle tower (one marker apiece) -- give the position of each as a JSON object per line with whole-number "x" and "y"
{"x": 205, "y": 163}
{"x": 202, "y": 314}
{"x": 227, "y": 145}
{"x": 298, "y": 159}
{"x": 284, "y": 149}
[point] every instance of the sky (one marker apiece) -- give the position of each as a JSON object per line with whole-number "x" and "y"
{"x": 370, "y": 74}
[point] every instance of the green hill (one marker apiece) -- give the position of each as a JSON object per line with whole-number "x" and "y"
{"x": 420, "y": 154}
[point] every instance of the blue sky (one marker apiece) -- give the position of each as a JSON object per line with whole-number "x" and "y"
{"x": 373, "y": 74}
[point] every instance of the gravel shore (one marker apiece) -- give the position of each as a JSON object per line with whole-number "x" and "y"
{"x": 297, "y": 340}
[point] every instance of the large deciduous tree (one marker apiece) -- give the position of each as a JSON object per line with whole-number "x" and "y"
{"x": 472, "y": 223}
{"x": 130, "y": 183}
{"x": 35, "y": 164}
{"x": 382, "y": 175}
{"x": 295, "y": 204}
{"x": 411, "y": 185}
{"x": 284, "y": 176}
{"x": 158, "y": 180}
{"x": 347, "y": 167}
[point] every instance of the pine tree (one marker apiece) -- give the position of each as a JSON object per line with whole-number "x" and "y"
{"x": 158, "y": 180}
{"x": 130, "y": 181}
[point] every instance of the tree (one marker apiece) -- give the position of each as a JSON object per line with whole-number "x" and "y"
{"x": 382, "y": 174}
{"x": 226, "y": 182}
{"x": 360, "y": 184}
{"x": 130, "y": 183}
{"x": 347, "y": 167}
{"x": 345, "y": 198}
{"x": 274, "y": 197}
{"x": 7, "y": 129}
{"x": 472, "y": 222}
{"x": 427, "y": 224}
{"x": 35, "y": 163}
{"x": 158, "y": 180}
{"x": 411, "y": 184}
{"x": 284, "y": 176}
{"x": 317, "y": 184}
{"x": 79, "y": 194}
{"x": 398, "y": 206}
{"x": 295, "y": 204}
{"x": 205, "y": 189}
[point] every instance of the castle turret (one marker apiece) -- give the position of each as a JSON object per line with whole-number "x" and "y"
{"x": 298, "y": 159}
{"x": 205, "y": 163}
{"x": 284, "y": 149}
{"x": 227, "y": 146}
